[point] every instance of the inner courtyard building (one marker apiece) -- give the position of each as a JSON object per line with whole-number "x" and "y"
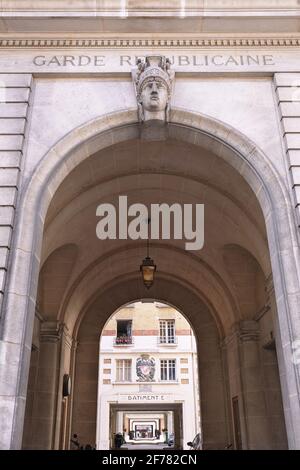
{"x": 148, "y": 378}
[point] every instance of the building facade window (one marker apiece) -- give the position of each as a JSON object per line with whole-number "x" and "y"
{"x": 124, "y": 332}
{"x": 167, "y": 331}
{"x": 123, "y": 370}
{"x": 168, "y": 369}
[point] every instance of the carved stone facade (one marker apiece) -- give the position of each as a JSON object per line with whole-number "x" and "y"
{"x": 145, "y": 368}
{"x": 153, "y": 83}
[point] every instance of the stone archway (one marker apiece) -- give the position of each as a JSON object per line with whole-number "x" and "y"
{"x": 216, "y": 425}
{"x": 197, "y": 130}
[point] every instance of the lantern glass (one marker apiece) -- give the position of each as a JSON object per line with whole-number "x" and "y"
{"x": 148, "y": 269}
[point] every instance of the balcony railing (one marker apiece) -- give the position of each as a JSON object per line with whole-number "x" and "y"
{"x": 167, "y": 340}
{"x": 123, "y": 340}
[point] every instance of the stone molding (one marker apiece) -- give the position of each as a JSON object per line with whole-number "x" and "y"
{"x": 151, "y": 8}
{"x": 248, "y": 331}
{"x": 269, "y": 285}
{"x": 262, "y": 312}
{"x": 52, "y": 332}
{"x": 149, "y": 42}
{"x": 244, "y": 331}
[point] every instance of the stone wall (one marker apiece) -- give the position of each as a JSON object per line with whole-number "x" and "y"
{"x": 14, "y": 102}
{"x": 288, "y": 95}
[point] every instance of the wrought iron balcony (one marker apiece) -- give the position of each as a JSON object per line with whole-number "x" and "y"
{"x": 167, "y": 340}
{"x": 123, "y": 341}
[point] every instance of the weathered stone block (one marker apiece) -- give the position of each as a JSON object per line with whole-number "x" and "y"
{"x": 10, "y": 159}
{"x": 9, "y": 365}
{"x": 290, "y": 109}
{"x": 287, "y": 79}
{"x": 288, "y": 94}
{"x": 297, "y": 193}
{"x": 5, "y": 236}
{"x": 9, "y": 176}
{"x": 294, "y": 156}
{"x": 15, "y": 80}
{"x": 11, "y": 142}
{"x": 298, "y": 213}
{"x": 12, "y": 126}
{"x": 6, "y": 215}
{"x": 13, "y": 110}
{"x": 2, "y": 279}
{"x": 291, "y": 124}
{"x": 7, "y": 409}
{"x": 15, "y": 95}
{"x": 3, "y": 257}
{"x": 8, "y": 196}
{"x": 295, "y": 173}
{"x": 292, "y": 141}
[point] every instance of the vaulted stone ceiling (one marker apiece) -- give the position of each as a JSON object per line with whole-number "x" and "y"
{"x": 235, "y": 252}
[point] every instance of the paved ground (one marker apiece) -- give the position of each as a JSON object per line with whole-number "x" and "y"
{"x": 145, "y": 446}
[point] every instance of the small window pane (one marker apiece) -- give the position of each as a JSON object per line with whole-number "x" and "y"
{"x": 168, "y": 369}
{"x": 167, "y": 331}
{"x": 123, "y": 369}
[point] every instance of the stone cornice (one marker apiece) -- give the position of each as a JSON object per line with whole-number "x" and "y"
{"x": 176, "y": 16}
{"x": 140, "y": 7}
{"x": 52, "y": 331}
{"x": 244, "y": 331}
{"x": 129, "y": 43}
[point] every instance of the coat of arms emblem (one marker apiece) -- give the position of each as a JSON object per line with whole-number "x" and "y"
{"x": 145, "y": 368}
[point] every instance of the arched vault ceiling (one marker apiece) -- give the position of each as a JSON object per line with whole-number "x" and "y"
{"x": 172, "y": 263}
{"x": 155, "y": 172}
{"x": 121, "y": 291}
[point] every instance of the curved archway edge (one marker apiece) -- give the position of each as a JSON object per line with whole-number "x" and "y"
{"x": 210, "y": 369}
{"x": 224, "y": 141}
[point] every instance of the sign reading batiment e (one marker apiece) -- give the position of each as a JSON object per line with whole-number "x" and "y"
{"x": 145, "y": 398}
{"x": 98, "y": 60}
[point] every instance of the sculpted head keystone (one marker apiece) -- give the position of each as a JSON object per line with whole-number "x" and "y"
{"x": 153, "y": 85}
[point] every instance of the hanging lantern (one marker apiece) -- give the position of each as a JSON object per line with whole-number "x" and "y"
{"x": 148, "y": 269}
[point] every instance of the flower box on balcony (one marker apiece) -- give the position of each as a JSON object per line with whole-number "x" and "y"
{"x": 123, "y": 340}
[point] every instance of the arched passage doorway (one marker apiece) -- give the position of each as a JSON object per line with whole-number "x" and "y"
{"x": 148, "y": 386}
{"x": 224, "y": 171}
{"x": 216, "y": 430}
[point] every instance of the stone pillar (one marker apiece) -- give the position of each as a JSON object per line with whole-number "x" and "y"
{"x": 283, "y": 372}
{"x": 85, "y": 395}
{"x": 71, "y": 398}
{"x": 44, "y": 417}
{"x": 170, "y": 422}
{"x": 287, "y": 91}
{"x": 126, "y": 426}
{"x": 246, "y": 383}
{"x": 14, "y": 98}
{"x": 15, "y": 330}
{"x": 235, "y": 384}
{"x": 31, "y": 389}
{"x": 65, "y": 348}
{"x": 256, "y": 416}
{"x": 112, "y": 429}
{"x": 228, "y": 406}
{"x": 287, "y": 308}
{"x": 120, "y": 426}
{"x": 178, "y": 429}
